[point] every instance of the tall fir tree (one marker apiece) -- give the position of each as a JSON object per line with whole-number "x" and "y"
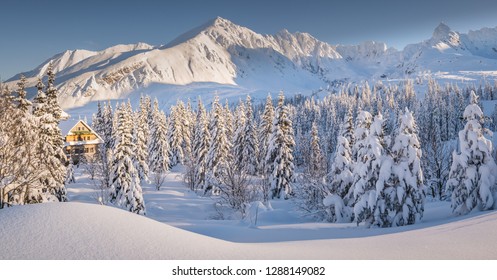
{"x": 176, "y": 133}
{"x": 265, "y": 129}
{"x": 52, "y": 158}
{"x": 97, "y": 119}
{"x": 316, "y": 167}
{"x": 400, "y": 190}
{"x": 188, "y": 117}
{"x": 25, "y": 139}
{"x": 39, "y": 108}
{"x": 472, "y": 174}
{"x": 340, "y": 179}
{"x": 141, "y": 134}
{"x": 159, "y": 145}
{"x": 103, "y": 126}
{"x": 370, "y": 153}
{"x": 18, "y": 163}
{"x": 228, "y": 121}
{"x": 125, "y": 190}
{"x": 238, "y": 140}
{"x": 219, "y": 147}
{"x": 201, "y": 140}
{"x": 8, "y": 155}
{"x": 279, "y": 158}
{"x": 251, "y": 146}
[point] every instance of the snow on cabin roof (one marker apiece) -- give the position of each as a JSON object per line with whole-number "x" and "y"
{"x": 68, "y": 125}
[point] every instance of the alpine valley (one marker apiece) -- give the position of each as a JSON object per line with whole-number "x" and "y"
{"x": 230, "y": 60}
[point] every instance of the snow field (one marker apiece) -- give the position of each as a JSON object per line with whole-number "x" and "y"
{"x": 88, "y": 231}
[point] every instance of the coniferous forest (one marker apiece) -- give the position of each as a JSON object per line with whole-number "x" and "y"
{"x": 364, "y": 154}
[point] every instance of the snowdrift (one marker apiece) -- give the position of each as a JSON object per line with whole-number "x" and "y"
{"x": 87, "y": 231}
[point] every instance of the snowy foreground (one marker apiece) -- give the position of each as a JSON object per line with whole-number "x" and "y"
{"x": 89, "y": 231}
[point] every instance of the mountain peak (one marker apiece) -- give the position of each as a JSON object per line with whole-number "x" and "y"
{"x": 441, "y": 32}
{"x": 442, "y": 28}
{"x": 219, "y": 21}
{"x": 213, "y": 24}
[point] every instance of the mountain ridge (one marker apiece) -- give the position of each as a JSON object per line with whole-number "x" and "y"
{"x": 224, "y": 53}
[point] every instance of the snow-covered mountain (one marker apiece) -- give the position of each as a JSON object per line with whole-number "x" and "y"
{"x": 225, "y": 54}
{"x": 451, "y": 54}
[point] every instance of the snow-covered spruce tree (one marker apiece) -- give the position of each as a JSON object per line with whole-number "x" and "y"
{"x": 279, "y": 158}
{"x": 301, "y": 150}
{"x": 97, "y": 119}
{"x": 265, "y": 129}
{"x": 316, "y": 166}
{"x": 125, "y": 190}
{"x": 347, "y": 128}
{"x": 99, "y": 166}
{"x": 238, "y": 140}
{"x": 219, "y": 147}
{"x": 39, "y": 100}
{"x": 58, "y": 172}
{"x": 457, "y": 112}
{"x": 8, "y": 153}
{"x": 175, "y": 133}
{"x": 102, "y": 124}
{"x": 228, "y": 121}
{"x": 400, "y": 190}
{"x": 24, "y": 136}
{"x": 328, "y": 132}
{"x": 51, "y": 156}
{"x": 188, "y": 119}
{"x": 106, "y": 132}
{"x": 234, "y": 184}
{"x": 367, "y": 168}
{"x": 472, "y": 174}
{"x": 251, "y": 146}
{"x": 51, "y": 91}
{"x": 233, "y": 181}
{"x": 159, "y": 146}
{"x": 200, "y": 143}
{"x": 141, "y": 136}
{"x": 340, "y": 180}
{"x": 18, "y": 165}
{"x": 361, "y": 132}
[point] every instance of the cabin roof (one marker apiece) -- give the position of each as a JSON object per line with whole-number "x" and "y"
{"x": 67, "y": 126}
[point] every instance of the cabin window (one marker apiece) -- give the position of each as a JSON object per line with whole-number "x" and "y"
{"x": 91, "y": 150}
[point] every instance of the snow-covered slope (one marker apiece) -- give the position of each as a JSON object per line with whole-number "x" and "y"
{"x": 223, "y": 53}
{"x": 450, "y": 52}
{"x": 89, "y": 231}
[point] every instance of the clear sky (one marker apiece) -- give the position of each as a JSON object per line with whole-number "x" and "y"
{"x": 33, "y": 30}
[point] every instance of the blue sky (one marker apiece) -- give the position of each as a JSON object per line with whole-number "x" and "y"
{"x": 33, "y": 31}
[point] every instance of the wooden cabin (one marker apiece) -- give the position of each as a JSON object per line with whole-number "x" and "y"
{"x": 80, "y": 139}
